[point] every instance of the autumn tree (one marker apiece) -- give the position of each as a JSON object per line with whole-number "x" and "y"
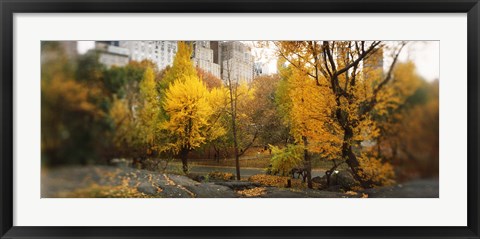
{"x": 346, "y": 81}
{"x": 123, "y": 136}
{"x": 71, "y": 113}
{"x": 124, "y": 99}
{"x": 420, "y": 140}
{"x": 148, "y": 118}
{"x": 240, "y": 113}
{"x": 123, "y": 82}
{"x": 264, "y": 112}
{"x": 409, "y": 136}
{"x": 286, "y": 159}
{"x": 308, "y": 112}
{"x": 209, "y": 79}
{"x": 190, "y": 108}
{"x": 182, "y": 65}
{"x": 191, "y": 120}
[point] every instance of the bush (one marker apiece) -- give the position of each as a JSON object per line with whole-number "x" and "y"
{"x": 284, "y": 160}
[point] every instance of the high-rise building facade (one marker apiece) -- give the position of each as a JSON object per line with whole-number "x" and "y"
{"x": 261, "y": 68}
{"x": 203, "y": 57}
{"x": 159, "y": 52}
{"x": 237, "y": 61}
{"x": 110, "y": 54}
{"x": 222, "y": 59}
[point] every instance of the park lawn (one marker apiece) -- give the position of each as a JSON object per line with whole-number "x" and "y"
{"x": 247, "y": 162}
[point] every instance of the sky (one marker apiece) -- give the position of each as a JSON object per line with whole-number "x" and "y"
{"x": 425, "y": 54}
{"x": 84, "y": 46}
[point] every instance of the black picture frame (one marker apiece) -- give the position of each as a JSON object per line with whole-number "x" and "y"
{"x": 10, "y": 7}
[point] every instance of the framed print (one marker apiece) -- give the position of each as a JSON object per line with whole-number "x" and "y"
{"x": 239, "y": 119}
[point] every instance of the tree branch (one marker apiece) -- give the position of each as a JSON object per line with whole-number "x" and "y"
{"x": 359, "y": 59}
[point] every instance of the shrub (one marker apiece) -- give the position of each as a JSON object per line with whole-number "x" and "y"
{"x": 284, "y": 160}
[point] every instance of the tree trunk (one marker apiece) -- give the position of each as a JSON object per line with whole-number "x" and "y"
{"x": 307, "y": 162}
{"x": 216, "y": 156}
{"x": 184, "y": 156}
{"x": 329, "y": 172}
{"x": 138, "y": 162}
{"x": 233, "y": 108}
{"x": 351, "y": 159}
{"x": 235, "y": 145}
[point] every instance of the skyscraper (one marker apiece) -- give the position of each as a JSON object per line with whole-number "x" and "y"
{"x": 110, "y": 54}
{"x": 159, "y": 52}
{"x": 203, "y": 57}
{"x": 237, "y": 62}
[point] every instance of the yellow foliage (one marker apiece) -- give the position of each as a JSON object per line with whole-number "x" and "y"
{"x": 191, "y": 118}
{"x": 338, "y": 92}
{"x": 244, "y": 97}
{"x": 284, "y": 160}
{"x": 182, "y": 65}
{"x": 149, "y": 112}
{"x": 375, "y": 171}
{"x": 310, "y": 115}
{"x": 404, "y": 83}
{"x": 123, "y": 123}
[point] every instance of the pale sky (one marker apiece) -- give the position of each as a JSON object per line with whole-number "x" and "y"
{"x": 425, "y": 54}
{"x": 84, "y": 46}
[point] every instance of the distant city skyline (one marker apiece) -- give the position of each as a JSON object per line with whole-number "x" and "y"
{"x": 425, "y": 55}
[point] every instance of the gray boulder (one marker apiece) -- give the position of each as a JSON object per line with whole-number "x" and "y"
{"x": 196, "y": 177}
{"x": 147, "y": 188}
{"x": 334, "y": 188}
{"x": 318, "y": 179}
{"x": 344, "y": 179}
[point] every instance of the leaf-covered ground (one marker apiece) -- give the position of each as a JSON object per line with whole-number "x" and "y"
{"x": 117, "y": 182}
